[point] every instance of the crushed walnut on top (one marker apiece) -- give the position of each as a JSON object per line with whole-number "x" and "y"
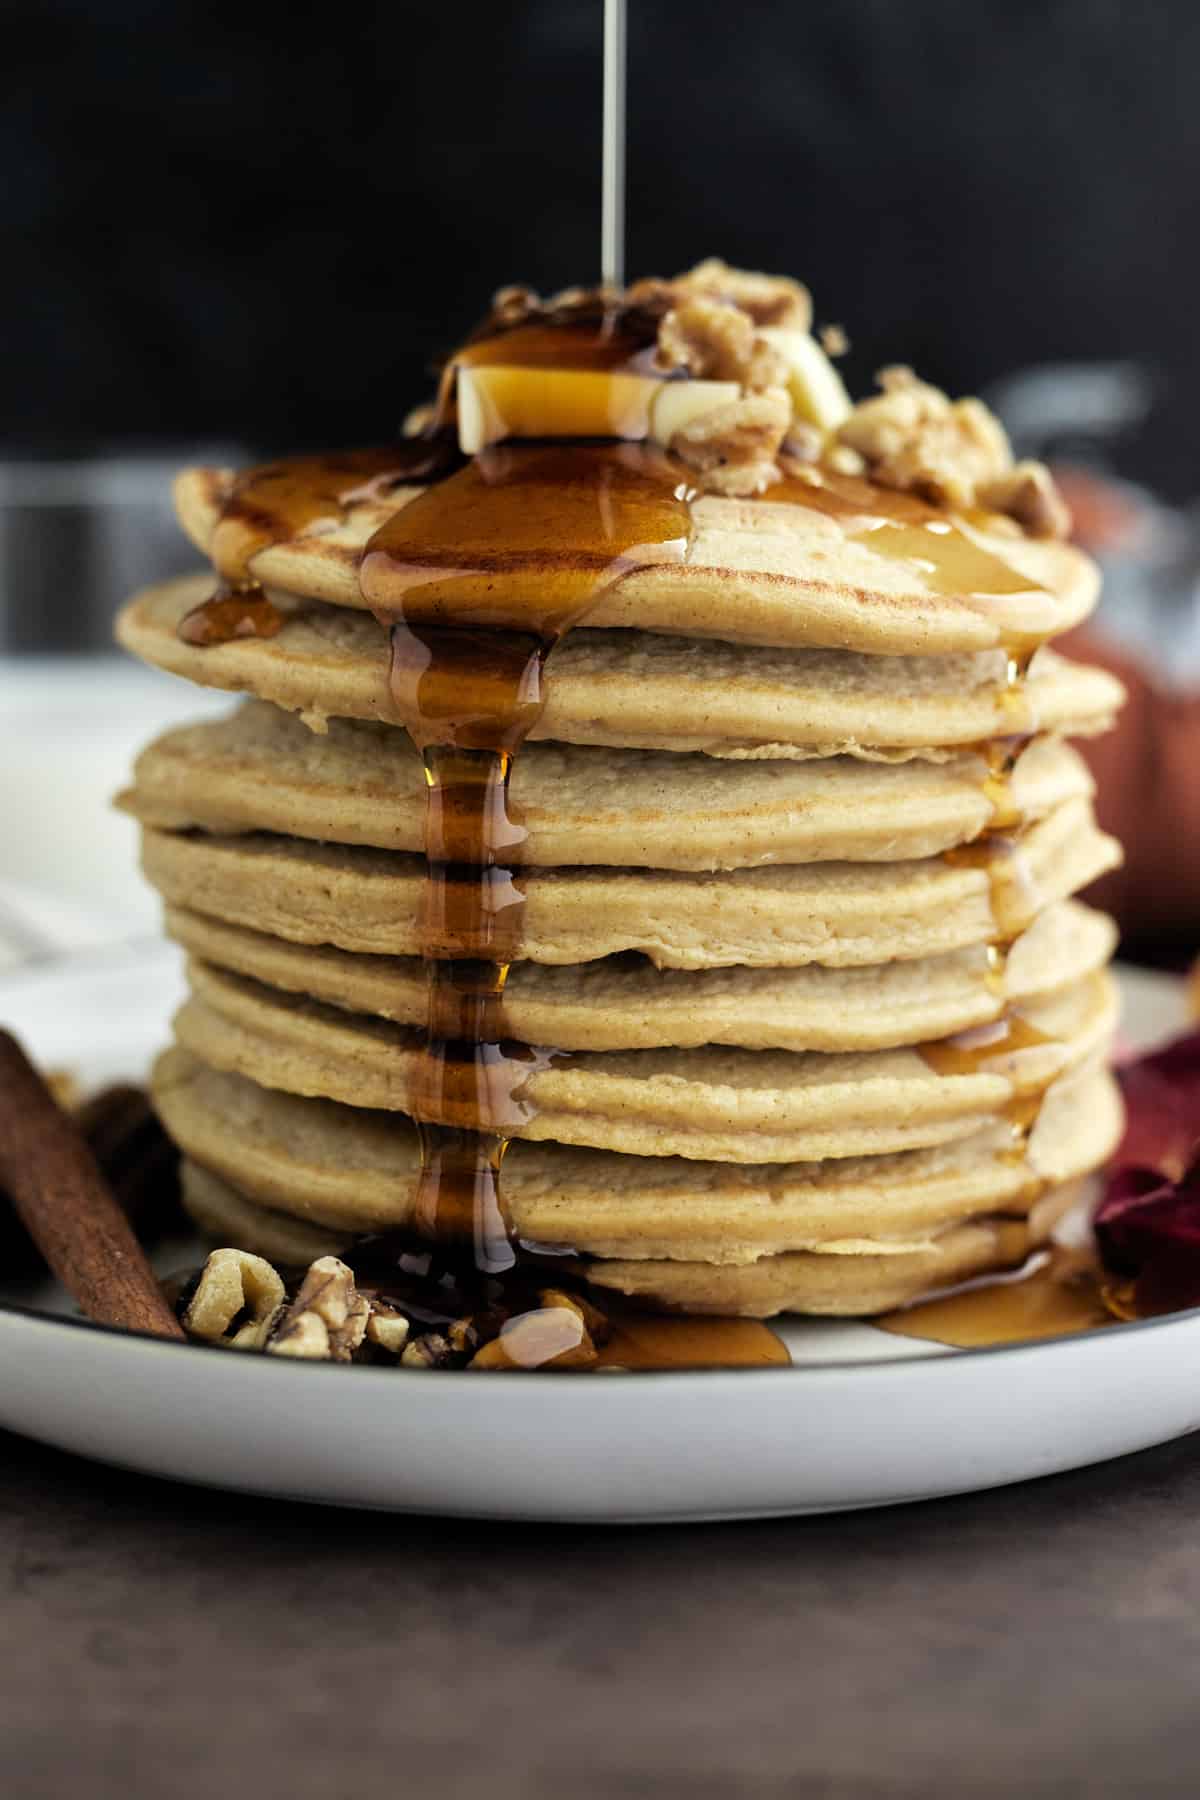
{"x": 909, "y": 436}
{"x": 954, "y": 453}
{"x": 753, "y": 333}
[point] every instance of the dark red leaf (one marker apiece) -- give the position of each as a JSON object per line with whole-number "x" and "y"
{"x": 1148, "y": 1220}
{"x": 1162, "y": 1104}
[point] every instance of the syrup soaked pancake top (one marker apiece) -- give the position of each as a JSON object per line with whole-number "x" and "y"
{"x": 877, "y": 572}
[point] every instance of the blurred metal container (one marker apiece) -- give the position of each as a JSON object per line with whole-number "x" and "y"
{"x": 76, "y": 539}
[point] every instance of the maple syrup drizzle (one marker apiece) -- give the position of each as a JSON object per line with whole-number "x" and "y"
{"x": 1015, "y": 901}
{"x": 476, "y": 580}
{"x": 592, "y": 337}
{"x": 1060, "y": 1292}
{"x": 584, "y": 328}
{"x": 979, "y": 1050}
{"x": 905, "y": 529}
{"x": 229, "y": 614}
{"x": 1000, "y": 756}
{"x": 277, "y": 501}
{"x": 998, "y": 1048}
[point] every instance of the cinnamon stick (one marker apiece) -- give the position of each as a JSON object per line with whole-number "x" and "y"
{"x": 67, "y": 1207}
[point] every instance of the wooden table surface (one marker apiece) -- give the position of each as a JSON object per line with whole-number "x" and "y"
{"x": 165, "y": 1641}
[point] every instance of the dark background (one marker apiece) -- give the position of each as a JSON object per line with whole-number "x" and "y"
{"x": 258, "y": 223}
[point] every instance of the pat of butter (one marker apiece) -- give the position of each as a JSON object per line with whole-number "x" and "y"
{"x": 679, "y": 402}
{"x": 497, "y": 402}
{"x": 818, "y": 392}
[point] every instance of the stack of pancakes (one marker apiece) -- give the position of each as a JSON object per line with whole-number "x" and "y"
{"x": 832, "y": 1029}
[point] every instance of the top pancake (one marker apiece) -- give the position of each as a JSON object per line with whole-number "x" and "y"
{"x": 641, "y": 690}
{"x": 756, "y": 571}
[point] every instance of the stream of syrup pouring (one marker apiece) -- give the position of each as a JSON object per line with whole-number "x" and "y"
{"x": 476, "y": 578}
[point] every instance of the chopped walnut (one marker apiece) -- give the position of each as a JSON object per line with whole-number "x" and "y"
{"x": 734, "y": 447}
{"x": 328, "y": 1317}
{"x": 913, "y": 437}
{"x": 513, "y": 303}
{"x": 950, "y": 452}
{"x": 432, "y": 1350}
{"x": 1028, "y": 494}
{"x": 653, "y": 294}
{"x": 387, "y": 1328}
{"x": 237, "y": 1301}
{"x": 767, "y": 299}
{"x": 571, "y": 299}
{"x": 465, "y": 1335}
{"x": 714, "y": 341}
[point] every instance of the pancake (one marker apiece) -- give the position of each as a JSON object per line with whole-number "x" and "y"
{"x": 838, "y": 1286}
{"x": 712, "y": 1103}
{"x": 624, "y": 1003}
{"x": 347, "y": 1171}
{"x": 812, "y": 1281}
{"x": 801, "y": 1014}
{"x": 633, "y": 689}
{"x": 261, "y": 769}
{"x": 838, "y": 914}
{"x": 757, "y": 571}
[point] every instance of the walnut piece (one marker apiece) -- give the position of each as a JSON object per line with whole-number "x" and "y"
{"x": 767, "y": 299}
{"x": 953, "y": 453}
{"x": 237, "y": 1300}
{"x": 328, "y": 1317}
{"x": 714, "y": 341}
{"x": 387, "y": 1328}
{"x": 1028, "y": 494}
{"x": 734, "y": 447}
{"x": 513, "y": 303}
{"x": 912, "y": 436}
{"x": 432, "y": 1350}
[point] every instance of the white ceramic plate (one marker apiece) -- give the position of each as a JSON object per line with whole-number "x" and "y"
{"x": 862, "y": 1419}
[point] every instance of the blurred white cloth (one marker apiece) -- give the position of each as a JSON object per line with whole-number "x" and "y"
{"x": 69, "y": 730}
